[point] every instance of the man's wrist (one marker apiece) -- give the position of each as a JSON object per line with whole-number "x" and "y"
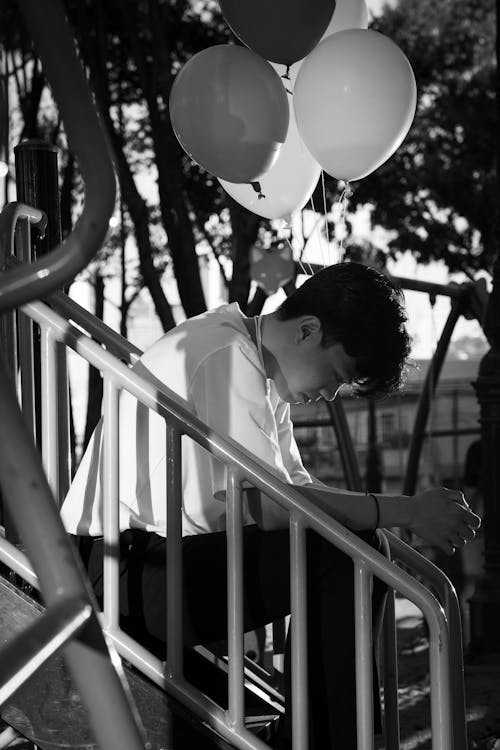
{"x": 395, "y": 510}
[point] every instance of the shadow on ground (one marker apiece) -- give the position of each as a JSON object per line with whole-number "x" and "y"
{"x": 482, "y": 692}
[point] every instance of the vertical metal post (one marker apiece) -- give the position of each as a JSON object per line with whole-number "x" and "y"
{"x": 390, "y": 680}
{"x": 298, "y": 601}
{"x": 49, "y": 399}
{"x": 63, "y": 420}
{"x": 455, "y": 438}
{"x": 236, "y": 698}
{"x": 391, "y": 707}
{"x": 346, "y": 448}
{"x": 452, "y": 610}
{"x": 111, "y": 513}
{"x": 441, "y": 689}
{"x": 25, "y": 333}
{"x": 175, "y": 641}
{"x": 37, "y": 183}
{"x": 373, "y": 458}
{"x": 25, "y": 328}
{"x": 364, "y": 655}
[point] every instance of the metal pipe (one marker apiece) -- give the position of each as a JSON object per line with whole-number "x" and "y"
{"x": 31, "y": 648}
{"x": 49, "y": 399}
{"x": 441, "y": 692}
{"x": 230, "y": 453}
{"x": 175, "y": 640}
{"x": 390, "y": 679}
{"x": 25, "y": 332}
{"x": 236, "y": 698}
{"x": 45, "y": 22}
{"x": 99, "y": 331}
{"x": 345, "y": 445}
{"x": 364, "y": 655}
{"x": 63, "y": 422}
{"x": 111, "y": 518}
{"x": 34, "y": 513}
{"x": 298, "y": 608}
{"x": 416, "y": 285}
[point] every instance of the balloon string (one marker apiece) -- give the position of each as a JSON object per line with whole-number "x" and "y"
{"x": 327, "y": 232}
{"x": 322, "y": 252}
{"x": 343, "y": 200}
{"x": 432, "y": 463}
{"x": 299, "y": 261}
{"x": 304, "y": 271}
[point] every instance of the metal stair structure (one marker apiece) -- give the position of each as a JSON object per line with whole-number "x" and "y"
{"x": 70, "y": 675}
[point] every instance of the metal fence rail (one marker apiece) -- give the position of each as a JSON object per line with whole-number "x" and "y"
{"x": 446, "y": 721}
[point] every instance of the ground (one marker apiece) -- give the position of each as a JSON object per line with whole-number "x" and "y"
{"x": 482, "y": 686}
{"x": 482, "y": 689}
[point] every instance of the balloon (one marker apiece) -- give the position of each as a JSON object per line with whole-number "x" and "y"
{"x": 273, "y": 268}
{"x": 349, "y": 14}
{"x": 287, "y": 186}
{"x": 354, "y": 100}
{"x": 230, "y": 113}
{"x": 283, "y": 31}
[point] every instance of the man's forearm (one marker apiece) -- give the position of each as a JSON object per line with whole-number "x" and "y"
{"x": 356, "y": 510}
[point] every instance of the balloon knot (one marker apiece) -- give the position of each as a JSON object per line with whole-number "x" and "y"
{"x": 286, "y": 74}
{"x": 256, "y": 186}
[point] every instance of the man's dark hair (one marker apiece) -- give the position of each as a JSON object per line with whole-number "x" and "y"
{"x": 361, "y": 309}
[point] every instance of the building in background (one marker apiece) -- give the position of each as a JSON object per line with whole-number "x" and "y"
{"x": 452, "y": 426}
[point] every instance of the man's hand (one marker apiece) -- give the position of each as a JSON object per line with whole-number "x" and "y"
{"x": 443, "y": 518}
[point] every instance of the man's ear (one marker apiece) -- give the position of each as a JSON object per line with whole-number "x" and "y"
{"x": 308, "y": 329}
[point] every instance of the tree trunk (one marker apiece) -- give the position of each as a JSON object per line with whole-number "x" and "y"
{"x": 139, "y": 215}
{"x": 67, "y": 195}
{"x": 245, "y": 226}
{"x": 94, "y": 48}
{"x": 156, "y": 82}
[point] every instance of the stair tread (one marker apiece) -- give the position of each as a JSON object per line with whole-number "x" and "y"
{"x": 49, "y": 712}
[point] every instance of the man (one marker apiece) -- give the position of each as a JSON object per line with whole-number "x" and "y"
{"x": 345, "y": 325}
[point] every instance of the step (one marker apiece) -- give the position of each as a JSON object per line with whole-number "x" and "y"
{"x": 49, "y": 712}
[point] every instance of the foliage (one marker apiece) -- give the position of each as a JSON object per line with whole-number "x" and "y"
{"x": 439, "y": 191}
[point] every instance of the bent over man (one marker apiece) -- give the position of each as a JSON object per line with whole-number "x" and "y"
{"x": 345, "y": 325}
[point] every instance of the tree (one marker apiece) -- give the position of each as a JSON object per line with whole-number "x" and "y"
{"x": 437, "y": 192}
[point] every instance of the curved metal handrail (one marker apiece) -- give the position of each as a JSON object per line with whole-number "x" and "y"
{"x": 50, "y": 31}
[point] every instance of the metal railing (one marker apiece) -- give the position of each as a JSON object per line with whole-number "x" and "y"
{"x": 441, "y": 611}
{"x": 70, "y": 621}
{"x": 70, "y": 607}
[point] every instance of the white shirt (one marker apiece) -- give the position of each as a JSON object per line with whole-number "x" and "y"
{"x": 212, "y": 363}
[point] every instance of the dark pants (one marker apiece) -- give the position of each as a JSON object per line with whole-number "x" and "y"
{"x": 331, "y": 647}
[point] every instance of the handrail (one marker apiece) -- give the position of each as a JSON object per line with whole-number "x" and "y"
{"x": 29, "y": 650}
{"x": 46, "y": 22}
{"x": 306, "y": 515}
{"x": 33, "y": 511}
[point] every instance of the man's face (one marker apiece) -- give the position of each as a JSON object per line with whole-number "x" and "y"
{"x": 306, "y": 371}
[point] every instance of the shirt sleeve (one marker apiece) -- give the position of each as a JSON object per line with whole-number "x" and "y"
{"x": 230, "y": 395}
{"x": 288, "y": 446}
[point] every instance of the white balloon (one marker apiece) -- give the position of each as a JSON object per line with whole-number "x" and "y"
{"x": 290, "y": 182}
{"x": 354, "y": 100}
